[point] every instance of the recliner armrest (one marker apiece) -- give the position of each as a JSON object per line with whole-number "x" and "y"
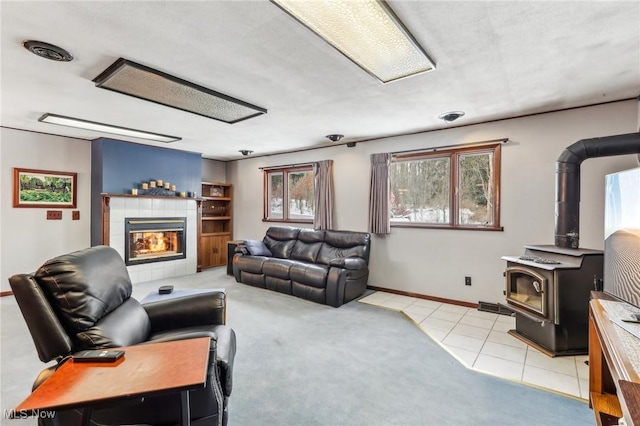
{"x": 351, "y": 263}
{"x": 225, "y": 347}
{"x": 187, "y": 311}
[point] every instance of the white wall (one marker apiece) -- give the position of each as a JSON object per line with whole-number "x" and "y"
{"x": 214, "y": 171}
{"x": 28, "y": 239}
{"x": 434, "y": 262}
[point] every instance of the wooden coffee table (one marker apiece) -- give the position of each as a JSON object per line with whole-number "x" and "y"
{"x": 145, "y": 370}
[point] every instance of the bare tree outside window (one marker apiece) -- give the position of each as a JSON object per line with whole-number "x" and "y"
{"x": 289, "y": 194}
{"x": 420, "y": 190}
{"x": 476, "y": 189}
{"x": 453, "y": 188}
{"x": 275, "y": 195}
{"x": 301, "y": 195}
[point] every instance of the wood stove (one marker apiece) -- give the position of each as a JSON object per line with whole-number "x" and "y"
{"x": 154, "y": 239}
{"x": 548, "y": 288}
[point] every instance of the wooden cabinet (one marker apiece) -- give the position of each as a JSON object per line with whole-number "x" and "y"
{"x": 215, "y": 224}
{"x": 614, "y": 383}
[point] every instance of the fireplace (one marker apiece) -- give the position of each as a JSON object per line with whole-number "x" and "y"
{"x": 548, "y": 287}
{"x": 548, "y": 290}
{"x": 156, "y": 239}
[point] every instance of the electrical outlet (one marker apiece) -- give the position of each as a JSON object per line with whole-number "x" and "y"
{"x": 467, "y": 280}
{"x": 54, "y": 214}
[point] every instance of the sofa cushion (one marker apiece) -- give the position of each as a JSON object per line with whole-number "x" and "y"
{"x": 307, "y": 246}
{"x": 85, "y": 285}
{"x": 314, "y": 294}
{"x": 277, "y": 267}
{"x": 338, "y": 244}
{"x": 283, "y": 233}
{"x": 278, "y": 284}
{"x": 305, "y": 252}
{"x": 311, "y": 236}
{"x": 280, "y": 249}
{"x": 309, "y": 274}
{"x": 257, "y": 248}
{"x": 280, "y": 240}
{"x": 252, "y": 264}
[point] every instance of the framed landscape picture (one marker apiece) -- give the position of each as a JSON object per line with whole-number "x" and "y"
{"x": 44, "y": 189}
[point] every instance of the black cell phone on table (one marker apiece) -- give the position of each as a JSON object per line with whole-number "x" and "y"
{"x": 98, "y": 355}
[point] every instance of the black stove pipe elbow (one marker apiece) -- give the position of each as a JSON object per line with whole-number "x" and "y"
{"x": 567, "y": 232}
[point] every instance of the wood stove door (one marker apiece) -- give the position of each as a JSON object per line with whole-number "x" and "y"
{"x": 527, "y": 289}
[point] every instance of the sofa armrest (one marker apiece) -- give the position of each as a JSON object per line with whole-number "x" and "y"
{"x": 187, "y": 311}
{"x": 351, "y": 263}
{"x": 241, "y": 248}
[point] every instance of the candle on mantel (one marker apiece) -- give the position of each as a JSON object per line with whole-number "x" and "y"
{"x": 160, "y": 183}
{"x": 145, "y": 185}
{"x": 134, "y": 191}
{"x": 152, "y": 184}
{"x": 173, "y": 188}
{"x": 183, "y": 194}
{"x": 166, "y": 185}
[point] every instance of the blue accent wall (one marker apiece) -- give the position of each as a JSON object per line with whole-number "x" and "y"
{"x": 117, "y": 167}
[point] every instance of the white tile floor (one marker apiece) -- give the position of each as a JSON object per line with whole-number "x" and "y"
{"x": 480, "y": 341}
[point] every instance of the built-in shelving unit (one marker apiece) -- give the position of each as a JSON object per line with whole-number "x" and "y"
{"x": 215, "y": 224}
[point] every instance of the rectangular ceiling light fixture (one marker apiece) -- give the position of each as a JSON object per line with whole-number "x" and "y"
{"x": 105, "y": 128}
{"x": 365, "y": 31}
{"x": 130, "y": 78}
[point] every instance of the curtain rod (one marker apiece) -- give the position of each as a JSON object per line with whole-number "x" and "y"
{"x": 463, "y": 145}
{"x": 286, "y": 166}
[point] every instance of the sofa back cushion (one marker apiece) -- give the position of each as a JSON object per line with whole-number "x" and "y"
{"x": 308, "y": 245}
{"x": 280, "y": 240}
{"x": 84, "y": 286}
{"x": 339, "y": 244}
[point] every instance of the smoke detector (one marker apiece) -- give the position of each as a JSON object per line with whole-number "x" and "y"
{"x": 451, "y": 116}
{"x": 245, "y": 152}
{"x": 334, "y": 138}
{"x": 47, "y": 51}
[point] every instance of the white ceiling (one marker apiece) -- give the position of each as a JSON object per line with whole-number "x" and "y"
{"x": 494, "y": 60}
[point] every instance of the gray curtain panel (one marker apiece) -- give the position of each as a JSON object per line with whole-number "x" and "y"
{"x": 379, "y": 222}
{"x": 323, "y": 179}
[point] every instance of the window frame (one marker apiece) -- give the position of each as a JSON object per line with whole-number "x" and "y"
{"x": 285, "y": 193}
{"x": 454, "y": 155}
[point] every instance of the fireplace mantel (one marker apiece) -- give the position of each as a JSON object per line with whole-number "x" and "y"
{"x": 164, "y": 197}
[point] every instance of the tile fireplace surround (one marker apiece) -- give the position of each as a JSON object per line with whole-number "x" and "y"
{"x": 127, "y": 206}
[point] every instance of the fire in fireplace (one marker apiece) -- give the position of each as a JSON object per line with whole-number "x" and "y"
{"x": 156, "y": 239}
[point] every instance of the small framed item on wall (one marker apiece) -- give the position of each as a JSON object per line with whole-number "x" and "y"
{"x": 44, "y": 189}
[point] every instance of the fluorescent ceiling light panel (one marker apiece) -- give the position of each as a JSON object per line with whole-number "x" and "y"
{"x": 133, "y": 79}
{"x": 365, "y": 31}
{"x": 105, "y": 128}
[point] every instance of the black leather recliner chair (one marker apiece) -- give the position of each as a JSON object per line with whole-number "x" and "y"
{"x": 82, "y": 300}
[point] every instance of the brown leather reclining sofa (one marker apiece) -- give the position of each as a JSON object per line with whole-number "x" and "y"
{"x": 323, "y": 266}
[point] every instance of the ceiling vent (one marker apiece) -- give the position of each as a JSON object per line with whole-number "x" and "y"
{"x": 47, "y": 51}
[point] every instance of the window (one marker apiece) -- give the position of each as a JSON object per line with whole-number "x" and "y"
{"x": 457, "y": 188}
{"x": 289, "y": 194}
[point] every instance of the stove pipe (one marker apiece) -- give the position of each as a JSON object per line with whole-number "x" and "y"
{"x": 567, "y": 232}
